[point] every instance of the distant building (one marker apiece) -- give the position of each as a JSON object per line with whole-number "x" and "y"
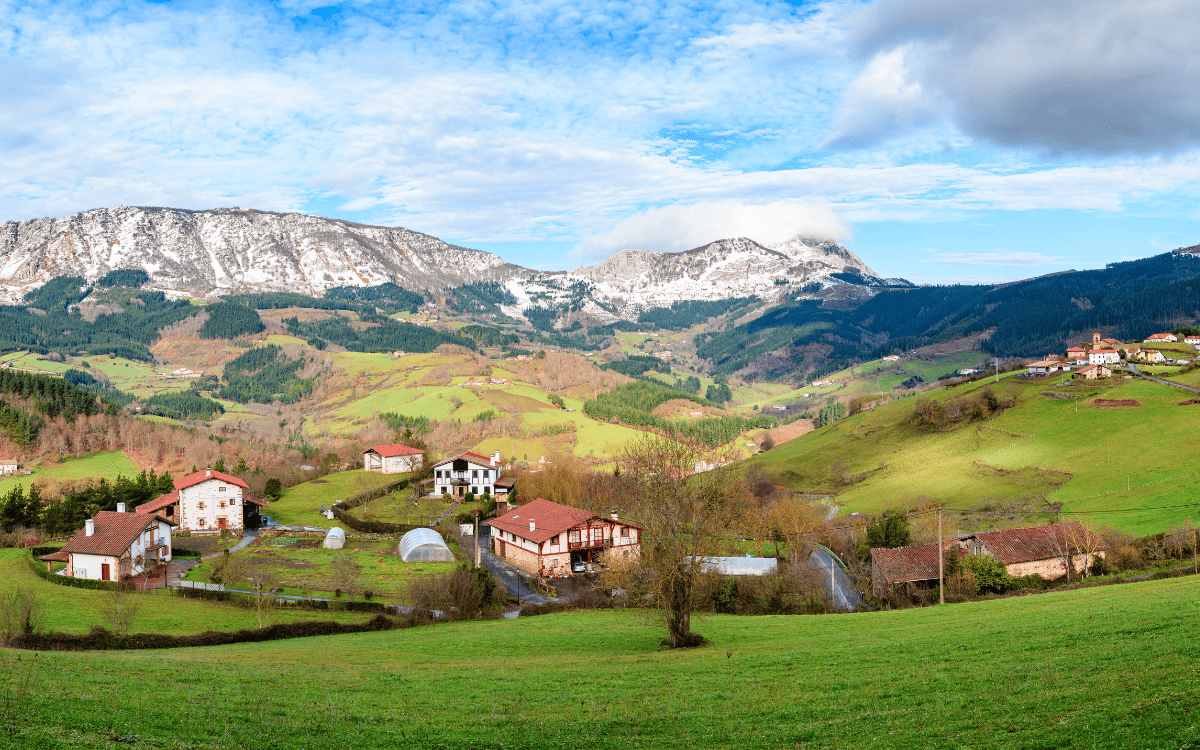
{"x": 392, "y": 459}
{"x": 1091, "y": 372}
{"x": 115, "y": 546}
{"x": 470, "y": 472}
{"x": 205, "y": 502}
{"x": 1159, "y": 338}
{"x": 548, "y": 539}
{"x": 1193, "y": 340}
{"x": 1103, "y": 356}
{"x": 9, "y": 466}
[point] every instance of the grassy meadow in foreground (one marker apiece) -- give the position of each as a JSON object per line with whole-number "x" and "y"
{"x": 1107, "y": 667}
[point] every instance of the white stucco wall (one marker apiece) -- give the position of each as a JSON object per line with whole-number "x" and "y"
{"x": 482, "y": 483}
{"x": 203, "y": 505}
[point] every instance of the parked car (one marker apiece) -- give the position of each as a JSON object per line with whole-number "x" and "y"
{"x": 579, "y": 567}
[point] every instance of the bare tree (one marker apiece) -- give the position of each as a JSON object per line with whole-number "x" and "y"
{"x": 20, "y": 613}
{"x": 796, "y": 521}
{"x": 261, "y": 579}
{"x": 687, "y": 517}
{"x": 345, "y": 573}
{"x": 119, "y": 607}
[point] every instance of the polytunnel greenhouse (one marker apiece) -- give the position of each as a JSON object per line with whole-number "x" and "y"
{"x": 424, "y": 545}
{"x": 335, "y": 539}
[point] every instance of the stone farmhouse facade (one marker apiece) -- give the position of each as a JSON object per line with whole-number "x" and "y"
{"x": 546, "y": 538}
{"x": 206, "y": 502}
{"x": 1041, "y": 550}
{"x": 1091, "y": 372}
{"x": 115, "y": 546}
{"x": 392, "y": 459}
{"x": 470, "y": 472}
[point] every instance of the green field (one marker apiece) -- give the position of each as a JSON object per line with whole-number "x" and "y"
{"x": 1108, "y": 667}
{"x": 92, "y": 466}
{"x": 1131, "y": 460}
{"x": 73, "y": 610}
{"x": 301, "y": 504}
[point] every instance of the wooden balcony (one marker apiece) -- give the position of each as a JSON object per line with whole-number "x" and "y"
{"x": 593, "y": 544}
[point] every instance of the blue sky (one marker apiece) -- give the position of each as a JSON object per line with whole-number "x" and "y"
{"x": 941, "y": 141}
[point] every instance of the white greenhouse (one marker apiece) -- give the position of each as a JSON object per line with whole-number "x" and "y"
{"x": 424, "y": 545}
{"x": 335, "y": 539}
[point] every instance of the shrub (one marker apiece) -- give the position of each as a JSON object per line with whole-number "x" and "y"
{"x": 990, "y": 574}
{"x": 337, "y": 593}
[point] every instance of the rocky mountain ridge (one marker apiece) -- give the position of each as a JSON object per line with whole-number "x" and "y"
{"x": 235, "y": 250}
{"x": 226, "y": 250}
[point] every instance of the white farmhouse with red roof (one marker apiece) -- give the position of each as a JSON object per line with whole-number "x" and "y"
{"x": 1160, "y": 338}
{"x": 1103, "y": 356}
{"x": 114, "y": 546}
{"x": 547, "y": 538}
{"x": 392, "y": 459}
{"x": 470, "y": 472}
{"x": 205, "y": 502}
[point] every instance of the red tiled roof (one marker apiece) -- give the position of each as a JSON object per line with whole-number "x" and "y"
{"x": 505, "y": 482}
{"x": 159, "y": 503}
{"x": 905, "y": 564}
{"x": 60, "y": 556}
{"x": 1011, "y": 546}
{"x": 256, "y": 501}
{"x": 112, "y": 535}
{"x": 388, "y": 451}
{"x": 467, "y": 456}
{"x": 1159, "y": 337}
{"x": 548, "y": 518}
{"x": 1104, "y": 351}
{"x": 206, "y": 474}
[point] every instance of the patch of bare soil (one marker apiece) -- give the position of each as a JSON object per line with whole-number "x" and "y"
{"x": 783, "y": 433}
{"x": 681, "y": 407}
{"x": 1189, "y": 402}
{"x": 1115, "y": 402}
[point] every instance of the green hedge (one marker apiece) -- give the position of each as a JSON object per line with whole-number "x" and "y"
{"x": 39, "y": 568}
{"x": 372, "y": 527}
{"x": 238, "y": 599}
{"x": 102, "y": 639}
{"x": 362, "y": 497}
{"x": 185, "y": 552}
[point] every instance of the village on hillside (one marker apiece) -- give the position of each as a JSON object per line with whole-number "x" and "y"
{"x": 1096, "y": 358}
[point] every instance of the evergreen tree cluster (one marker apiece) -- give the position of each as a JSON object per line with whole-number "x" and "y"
{"x": 126, "y": 277}
{"x": 388, "y": 297}
{"x": 386, "y": 335}
{"x": 106, "y": 391}
{"x": 633, "y": 404}
{"x": 827, "y": 415}
{"x": 123, "y": 334}
{"x": 21, "y": 427}
{"x": 264, "y": 375}
{"x": 65, "y": 515}
{"x": 719, "y": 393}
{"x": 481, "y": 297}
{"x": 636, "y": 365}
{"x": 52, "y": 396}
{"x": 401, "y": 423}
{"x": 183, "y": 405}
{"x": 687, "y": 313}
{"x": 489, "y": 336}
{"x": 227, "y": 320}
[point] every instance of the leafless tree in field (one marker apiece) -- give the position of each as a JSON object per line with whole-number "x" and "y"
{"x": 119, "y": 607}
{"x": 687, "y": 517}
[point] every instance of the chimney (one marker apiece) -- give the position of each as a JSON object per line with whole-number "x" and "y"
{"x": 208, "y": 472}
{"x": 120, "y": 507}
{"x": 614, "y": 516}
{"x": 89, "y": 527}
{"x": 533, "y": 525}
{"x": 496, "y": 457}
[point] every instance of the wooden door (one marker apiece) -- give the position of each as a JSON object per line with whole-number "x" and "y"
{"x": 500, "y": 542}
{"x": 221, "y": 522}
{"x": 104, "y": 572}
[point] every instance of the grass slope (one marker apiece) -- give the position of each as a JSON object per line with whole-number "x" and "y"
{"x": 1147, "y": 449}
{"x": 301, "y": 504}
{"x": 92, "y": 466}
{"x": 1107, "y": 667}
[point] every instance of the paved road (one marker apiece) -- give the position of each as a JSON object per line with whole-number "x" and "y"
{"x": 1134, "y": 369}
{"x": 845, "y": 597}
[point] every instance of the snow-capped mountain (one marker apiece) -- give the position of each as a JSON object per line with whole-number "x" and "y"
{"x": 633, "y": 280}
{"x": 235, "y": 249}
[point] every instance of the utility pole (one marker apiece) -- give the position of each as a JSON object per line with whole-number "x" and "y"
{"x": 996, "y": 364}
{"x": 941, "y": 564}
{"x": 478, "y": 554}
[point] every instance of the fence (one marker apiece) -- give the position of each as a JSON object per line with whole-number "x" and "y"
{"x": 201, "y": 585}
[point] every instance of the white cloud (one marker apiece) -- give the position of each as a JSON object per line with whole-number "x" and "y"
{"x": 1012, "y": 259}
{"x": 683, "y": 227}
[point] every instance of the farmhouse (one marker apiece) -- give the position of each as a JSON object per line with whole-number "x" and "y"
{"x": 114, "y": 546}
{"x": 470, "y": 472}
{"x": 1040, "y": 550}
{"x": 1193, "y": 340}
{"x": 547, "y": 538}
{"x": 1075, "y": 352}
{"x": 1046, "y": 367}
{"x": 392, "y": 459}
{"x": 915, "y": 565}
{"x": 1160, "y": 338}
{"x": 206, "y": 502}
{"x": 1091, "y": 372}
{"x": 9, "y": 466}
{"x": 1103, "y": 356}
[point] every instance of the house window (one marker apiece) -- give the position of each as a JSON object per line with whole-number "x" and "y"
{"x": 200, "y": 505}
{"x": 222, "y": 488}
{"x": 625, "y": 531}
{"x": 573, "y": 536}
{"x": 474, "y": 490}
{"x": 554, "y": 539}
{"x": 221, "y": 504}
{"x": 475, "y": 474}
{"x": 232, "y": 501}
{"x": 201, "y": 521}
{"x": 439, "y": 473}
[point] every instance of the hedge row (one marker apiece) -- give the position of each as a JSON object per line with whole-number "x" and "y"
{"x": 362, "y": 497}
{"x": 239, "y": 599}
{"x": 39, "y": 568}
{"x": 103, "y": 639}
{"x": 185, "y": 552}
{"x": 372, "y": 527}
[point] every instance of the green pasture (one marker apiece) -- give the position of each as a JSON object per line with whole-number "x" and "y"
{"x": 401, "y": 507}
{"x": 92, "y": 466}
{"x": 1130, "y": 460}
{"x": 302, "y": 567}
{"x": 74, "y": 610}
{"x": 1107, "y": 667}
{"x": 30, "y": 361}
{"x": 301, "y": 504}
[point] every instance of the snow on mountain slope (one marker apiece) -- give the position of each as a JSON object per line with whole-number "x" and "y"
{"x": 235, "y": 249}
{"x": 632, "y": 279}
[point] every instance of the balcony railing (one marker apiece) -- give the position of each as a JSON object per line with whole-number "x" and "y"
{"x": 592, "y": 544}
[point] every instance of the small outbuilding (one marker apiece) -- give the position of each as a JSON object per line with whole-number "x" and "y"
{"x": 424, "y": 545}
{"x": 335, "y": 539}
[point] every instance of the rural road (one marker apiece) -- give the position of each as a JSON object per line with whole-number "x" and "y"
{"x": 1140, "y": 374}
{"x": 845, "y": 597}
